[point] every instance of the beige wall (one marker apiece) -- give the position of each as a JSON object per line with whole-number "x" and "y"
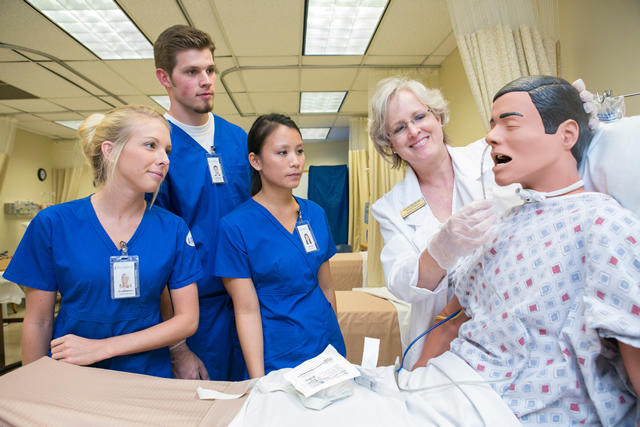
{"x": 321, "y": 154}
{"x": 66, "y": 154}
{"x": 30, "y": 152}
{"x": 464, "y": 125}
{"x": 601, "y": 44}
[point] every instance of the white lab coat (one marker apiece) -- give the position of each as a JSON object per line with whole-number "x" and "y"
{"x": 405, "y": 239}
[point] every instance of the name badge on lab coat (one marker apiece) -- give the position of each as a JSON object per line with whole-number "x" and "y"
{"x": 124, "y": 277}
{"x": 216, "y": 169}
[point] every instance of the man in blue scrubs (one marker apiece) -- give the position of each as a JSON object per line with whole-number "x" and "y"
{"x": 200, "y": 140}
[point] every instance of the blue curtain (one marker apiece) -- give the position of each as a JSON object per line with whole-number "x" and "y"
{"x": 329, "y": 187}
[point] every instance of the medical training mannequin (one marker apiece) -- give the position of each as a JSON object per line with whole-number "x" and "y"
{"x": 196, "y": 191}
{"x": 552, "y": 300}
{"x": 281, "y": 286}
{"x": 109, "y": 319}
{"x": 407, "y": 127}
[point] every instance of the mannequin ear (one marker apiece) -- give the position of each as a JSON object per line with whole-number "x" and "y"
{"x": 164, "y": 78}
{"x": 569, "y": 131}
{"x": 254, "y": 161}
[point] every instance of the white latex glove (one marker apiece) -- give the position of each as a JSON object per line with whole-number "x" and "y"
{"x": 466, "y": 230}
{"x": 588, "y": 105}
{"x": 185, "y": 365}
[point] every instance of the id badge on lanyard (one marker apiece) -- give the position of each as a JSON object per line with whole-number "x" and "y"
{"x": 215, "y": 167}
{"x": 125, "y": 282}
{"x": 309, "y": 242}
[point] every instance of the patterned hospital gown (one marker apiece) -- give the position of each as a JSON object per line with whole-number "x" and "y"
{"x": 562, "y": 276}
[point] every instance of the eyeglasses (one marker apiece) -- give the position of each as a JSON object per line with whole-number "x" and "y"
{"x": 402, "y": 128}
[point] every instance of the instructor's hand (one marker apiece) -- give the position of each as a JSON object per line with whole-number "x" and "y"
{"x": 185, "y": 365}
{"x": 77, "y": 350}
{"x": 466, "y": 230}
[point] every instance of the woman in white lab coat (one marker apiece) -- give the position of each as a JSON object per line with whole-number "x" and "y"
{"x": 407, "y": 127}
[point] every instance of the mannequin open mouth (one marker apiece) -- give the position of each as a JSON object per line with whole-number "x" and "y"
{"x": 501, "y": 159}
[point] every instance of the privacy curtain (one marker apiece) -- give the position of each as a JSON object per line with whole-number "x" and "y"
{"x": 358, "y": 180}
{"x": 329, "y": 188}
{"x": 502, "y": 40}
{"x": 65, "y": 183}
{"x": 7, "y": 138}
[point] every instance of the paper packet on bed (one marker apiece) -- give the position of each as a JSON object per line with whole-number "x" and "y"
{"x": 323, "y": 371}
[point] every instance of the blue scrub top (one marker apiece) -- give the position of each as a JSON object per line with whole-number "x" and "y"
{"x": 66, "y": 249}
{"x": 297, "y": 320}
{"x": 189, "y": 193}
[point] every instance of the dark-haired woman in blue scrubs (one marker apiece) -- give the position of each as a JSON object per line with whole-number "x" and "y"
{"x": 273, "y": 257}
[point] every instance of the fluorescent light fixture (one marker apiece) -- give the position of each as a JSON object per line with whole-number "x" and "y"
{"x": 72, "y": 124}
{"x": 162, "y": 100}
{"x": 100, "y": 25}
{"x": 314, "y": 133}
{"x": 321, "y": 102}
{"x": 341, "y": 27}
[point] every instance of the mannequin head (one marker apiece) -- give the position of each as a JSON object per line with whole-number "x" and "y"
{"x": 538, "y": 133}
{"x": 556, "y": 101}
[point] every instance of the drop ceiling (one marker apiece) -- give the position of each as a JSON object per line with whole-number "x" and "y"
{"x": 259, "y": 60}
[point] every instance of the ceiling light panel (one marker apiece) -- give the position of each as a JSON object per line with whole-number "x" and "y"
{"x": 100, "y": 25}
{"x": 321, "y": 102}
{"x": 341, "y": 27}
{"x": 314, "y": 133}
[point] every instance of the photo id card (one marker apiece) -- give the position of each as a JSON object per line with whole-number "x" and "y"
{"x": 124, "y": 277}
{"x": 306, "y": 237}
{"x": 216, "y": 170}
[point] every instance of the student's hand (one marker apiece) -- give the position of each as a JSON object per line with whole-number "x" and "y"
{"x": 77, "y": 350}
{"x": 185, "y": 365}
{"x": 466, "y": 230}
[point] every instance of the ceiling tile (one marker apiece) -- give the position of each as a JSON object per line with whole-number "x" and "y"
{"x": 284, "y": 102}
{"x": 222, "y": 105}
{"x": 143, "y": 100}
{"x": 316, "y": 121}
{"x": 339, "y": 133}
{"x": 223, "y": 63}
{"x": 22, "y": 25}
{"x": 268, "y": 61}
{"x": 232, "y": 81}
{"x": 362, "y": 80}
{"x": 411, "y": 27}
{"x": 36, "y": 80}
{"x": 342, "y": 121}
{"x": 141, "y": 73}
{"x": 242, "y": 21}
{"x": 394, "y": 60}
{"x": 33, "y": 105}
{"x": 434, "y": 60}
{"x": 355, "y": 102}
{"x": 48, "y": 128}
{"x": 153, "y": 16}
{"x": 244, "y": 122}
{"x": 81, "y": 103}
{"x": 332, "y": 60}
{"x": 448, "y": 46}
{"x": 80, "y": 81}
{"x": 204, "y": 18}
{"x": 105, "y": 77}
{"x": 29, "y": 117}
{"x": 4, "y": 109}
{"x": 7, "y": 55}
{"x": 60, "y": 116}
{"x": 243, "y": 103}
{"x": 112, "y": 101}
{"x": 329, "y": 80}
{"x": 271, "y": 80}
